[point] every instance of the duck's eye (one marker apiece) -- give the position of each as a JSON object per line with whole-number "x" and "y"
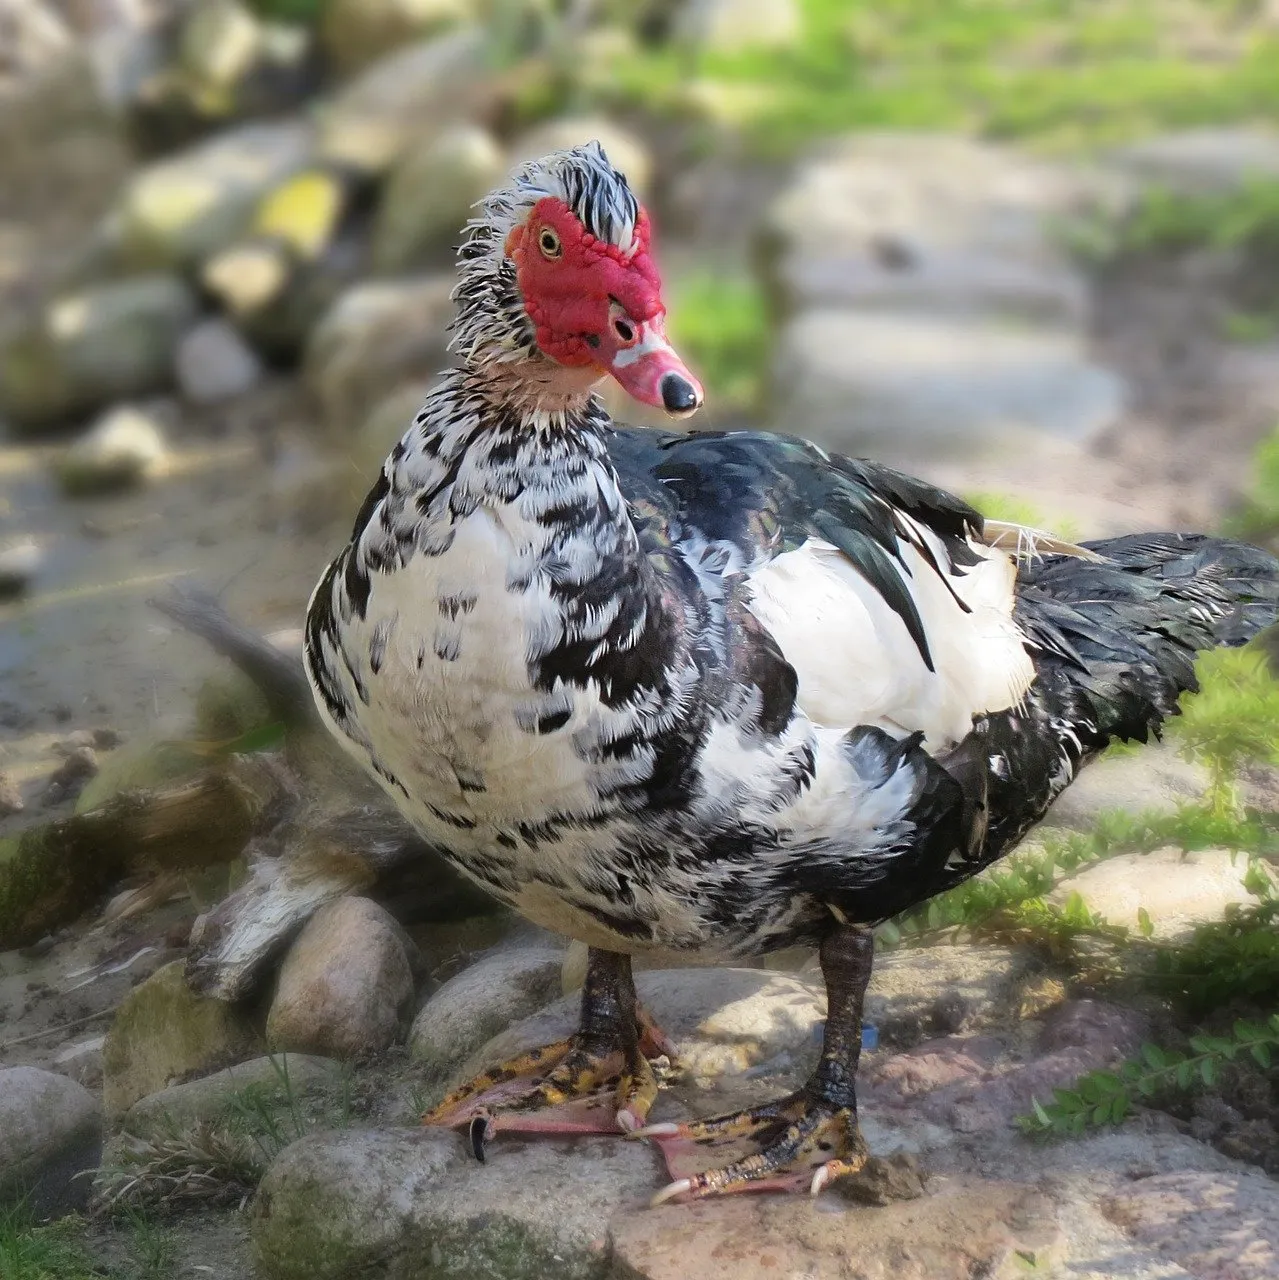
{"x": 549, "y": 243}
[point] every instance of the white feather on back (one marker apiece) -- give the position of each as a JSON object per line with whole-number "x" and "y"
{"x": 857, "y": 663}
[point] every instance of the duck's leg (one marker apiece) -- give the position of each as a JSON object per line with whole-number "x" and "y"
{"x": 805, "y": 1140}
{"x": 599, "y": 1080}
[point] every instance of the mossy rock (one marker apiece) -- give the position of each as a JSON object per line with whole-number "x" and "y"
{"x": 138, "y": 766}
{"x": 228, "y": 706}
{"x": 164, "y": 1033}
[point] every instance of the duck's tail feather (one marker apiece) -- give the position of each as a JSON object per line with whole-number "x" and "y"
{"x": 1115, "y": 640}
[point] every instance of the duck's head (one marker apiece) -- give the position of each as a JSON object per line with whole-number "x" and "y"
{"x": 556, "y": 268}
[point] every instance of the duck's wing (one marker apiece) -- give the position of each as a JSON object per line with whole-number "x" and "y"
{"x": 878, "y": 589}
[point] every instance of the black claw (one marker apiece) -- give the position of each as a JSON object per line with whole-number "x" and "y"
{"x": 478, "y": 1132}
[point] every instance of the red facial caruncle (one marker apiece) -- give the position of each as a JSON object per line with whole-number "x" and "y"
{"x": 595, "y": 305}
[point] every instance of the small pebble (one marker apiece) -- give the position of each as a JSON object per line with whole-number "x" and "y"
{"x": 10, "y": 796}
{"x": 71, "y": 775}
{"x": 19, "y": 563}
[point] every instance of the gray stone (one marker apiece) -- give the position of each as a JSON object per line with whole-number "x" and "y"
{"x": 725, "y": 26}
{"x": 920, "y": 991}
{"x": 11, "y": 800}
{"x": 429, "y": 196}
{"x": 904, "y": 386}
{"x": 404, "y": 98}
{"x": 399, "y": 1204}
{"x": 50, "y": 1131}
{"x": 85, "y": 350}
{"x": 921, "y": 223}
{"x": 20, "y": 561}
{"x": 626, "y": 152}
{"x": 214, "y": 363}
{"x": 180, "y": 210}
{"x": 355, "y": 33}
{"x": 721, "y": 1021}
{"x": 375, "y": 336}
{"x": 32, "y": 38}
{"x": 219, "y": 43}
{"x": 1217, "y": 1225}
{"x": 346, "y": 986}
{"x": 481, "y": 1001}
{"x": 82, "y": 1061}
{"x": 1155, "y": 778}
{"x": 164, "y": 1033}
{"x": 211, "y": 1098}
{"x": 123, "y": 449}
{"x": 1203, "y": 161}
{"x": 1177, "y": 889}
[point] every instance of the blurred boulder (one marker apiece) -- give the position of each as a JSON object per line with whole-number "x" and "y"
{"x": 218, "y": 63}
{"x": 123, "y": 449}
{"x": 370, "y": 444}
{"x": 1203, "y": 161}
{"x": 404, "y": 98}
{"x": 626, "y": 152}
{"x": 214, "y": 363}
{"x": 355, "y": 33}
{"x": 83, "y": 350}
{"x": 429, "y": 196}
{"x": 725, "y": 26}
{"x": 176, "y": 212}
{"x": 375, "y": 336}
{"x": 20, "y": 561}
{"x": 926, "y": 301}
{"x": 346, "y": 986}
{"x": 33, "y": 36}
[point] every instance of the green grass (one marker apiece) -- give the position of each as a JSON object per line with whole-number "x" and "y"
{"x": 1259, "y": 517}
{"x": 1067, "y": 72}
{"x": 31, "y": 1252}
{"x": 1247, "y": 217}
{"x": 719, "y": 323}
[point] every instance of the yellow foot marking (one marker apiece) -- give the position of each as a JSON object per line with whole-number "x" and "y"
{"x": 532, "y": 1063}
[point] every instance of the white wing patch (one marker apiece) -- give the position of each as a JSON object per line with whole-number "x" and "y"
{"x": 856, "y": 661}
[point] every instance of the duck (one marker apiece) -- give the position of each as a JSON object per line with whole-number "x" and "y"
{"x": 709, "y": 695}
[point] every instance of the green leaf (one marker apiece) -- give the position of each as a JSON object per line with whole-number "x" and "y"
{"x": 1208, "y": 1070}
{"x": 1186, "y": 1074}
{"x": 1069, "y": 1100}
{"x": 1118, "y": 1108}
{"x": 1154, "y": 1056}
{"x": 1145, "y": 926}
{"x": 1040, "y": 1114}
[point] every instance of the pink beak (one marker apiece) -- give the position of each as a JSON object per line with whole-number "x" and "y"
{"x": 645, "y": 365}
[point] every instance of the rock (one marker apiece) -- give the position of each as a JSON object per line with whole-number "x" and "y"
{"x": 303, "y": 212}
{"x": 1154, "y": 779}
{"x": 214, "y": 363}
{"x": 973, "y": 1084}
{"x": 32, "y": 38}
{"x": 85, "y": 350}
{"x": 1215, "y": 1225}
{"x": 355, "y": 33}
{"x": 905, "y": 387}
{"x": 20, "y": 561}
{"x": 346, "y": 986}
{"x": 1177, "y": 889}
{"x": 163, "y": 1033}
{"x": 920, "y": 991}
{"x": 967, "y": 1227}
{"x": 404, "y": 98}
{"x": 142, "y": 765}
{"x": 69, "y": 777}
{"x": 50, "y": 1131}
{"x": 181, "y": 210}
{"x": 722, "y": 1022}
{"x": 219, "y": 42}
{"x": 82, "y": 1061}
{"x": 374, "y": 336}
{"x": 924, "y": 224}
{"x": 506, "y": 984}
{"x": 1203, "y": 161}
{"x": 382, "y": 428}
{"x": 429, "y": 196}
{"x": 383, "y": 1204}
{"x": 627, "y": 153}
{"x": 726, "y": 26}
{"x": 228, "y": 705}
{"x": 123, "y": 450}
{"x": 11, "y": 801}
{"x": 211, "y": 1099}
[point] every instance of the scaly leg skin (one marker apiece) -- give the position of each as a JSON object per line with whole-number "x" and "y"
{"x": 599, "y": 1080}
{"x": 806, "y": 1140}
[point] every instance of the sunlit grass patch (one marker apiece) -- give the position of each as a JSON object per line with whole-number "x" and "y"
{"x": 720, "y": 325}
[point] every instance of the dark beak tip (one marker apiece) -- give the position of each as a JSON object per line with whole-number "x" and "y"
{"x": 680, "y": 397}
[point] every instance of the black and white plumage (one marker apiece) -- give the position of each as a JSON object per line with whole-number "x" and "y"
{"x": 714, "y": 694}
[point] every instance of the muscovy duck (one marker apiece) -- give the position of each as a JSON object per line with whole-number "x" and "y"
{"x": 714, "y": 693}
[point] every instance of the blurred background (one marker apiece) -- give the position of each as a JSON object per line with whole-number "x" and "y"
{"x": 1027, "y": 248}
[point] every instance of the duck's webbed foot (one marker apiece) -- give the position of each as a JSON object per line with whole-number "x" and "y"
{"x": 807, "y": 1139}
{"x": 598, "y": 1080}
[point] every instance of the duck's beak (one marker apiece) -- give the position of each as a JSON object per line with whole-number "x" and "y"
{"x": 646, "y": 366}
